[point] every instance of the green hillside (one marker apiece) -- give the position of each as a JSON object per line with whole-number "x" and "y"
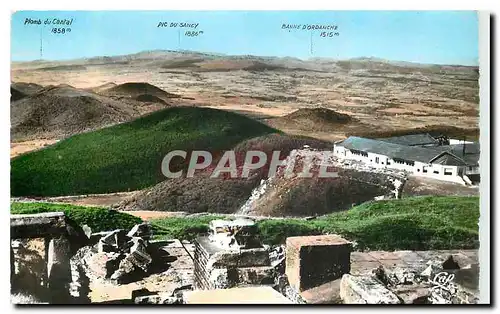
{"x": 417, "y": 223}
{"x": 127, "y": 156}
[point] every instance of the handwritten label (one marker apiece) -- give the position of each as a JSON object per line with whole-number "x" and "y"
{"x": 49, "y": 21}
{"x": 312, "y": 27}
{"x": 308, "y": 27}
{"x": 177, "y": 25}
{"x": 59, "y": 26}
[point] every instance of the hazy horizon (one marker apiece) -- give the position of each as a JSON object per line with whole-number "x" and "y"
{"x": 425, "y": 37}
{"x": 239, "y": 55}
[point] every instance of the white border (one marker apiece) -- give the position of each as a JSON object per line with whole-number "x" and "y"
{"x": 484, "y": 139}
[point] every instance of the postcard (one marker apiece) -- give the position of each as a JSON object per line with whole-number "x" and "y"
{"x": 247, "y": 157}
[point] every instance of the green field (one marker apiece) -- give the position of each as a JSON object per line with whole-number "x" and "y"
{"x": 127, "y": 156}
{"x": 418, "y": 223}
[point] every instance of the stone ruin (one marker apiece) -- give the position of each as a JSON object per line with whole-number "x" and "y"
{"x": 231, "y": 262}
{"x": 232, "y": 255}
{"x": 62, "y": 238}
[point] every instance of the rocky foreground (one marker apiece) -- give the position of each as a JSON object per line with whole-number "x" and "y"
{"x": 229, "y": 265}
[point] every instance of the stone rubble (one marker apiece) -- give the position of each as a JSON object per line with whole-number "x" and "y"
{"x": 365, "y": 290}
{"x": 410, "y": 286}
{"x": 232, "y": 256}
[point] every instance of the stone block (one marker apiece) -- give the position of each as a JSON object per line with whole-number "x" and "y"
{"x": 261, "y": 275}
{"x": 221, "y": 278}
{"x": 138, "y": 254}
{"x": 95, "y": 237}
{"x": 125, "y": 272}
{"x": 240, "y": 258}
{"x": 413, "y": 294}
{"x": 140, "y": 230}
{"x": 314, "y": 260}
{"x": 365, "y": 290}
{"x": 461, "y": 260}
{"x": 59, "y": 269}
{"x": 51, "y": 224}
{"x": 327, "y": 293}
{"x": 116, "y": 238}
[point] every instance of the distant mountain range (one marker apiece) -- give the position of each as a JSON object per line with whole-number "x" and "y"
{"x": 184, "y": 54}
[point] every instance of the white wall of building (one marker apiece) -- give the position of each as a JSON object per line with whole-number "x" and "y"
{"x": 456, "y": 141}
{"x": 435, "y": 171}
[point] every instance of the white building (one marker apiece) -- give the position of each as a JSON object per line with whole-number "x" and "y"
{"x": 420, "y": 155}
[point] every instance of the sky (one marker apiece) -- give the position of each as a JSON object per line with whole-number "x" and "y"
{"x": 438, "y": 37}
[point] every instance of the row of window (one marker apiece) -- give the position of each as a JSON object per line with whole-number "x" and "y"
{"x": 404, "y": 162}
{"x": 447, "y": 171}
{"x": 359, "y": 153}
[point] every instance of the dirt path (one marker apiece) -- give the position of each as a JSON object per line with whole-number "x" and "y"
{"x": 101, "y": 200}
{"x": 148, "y": 215}
{"x": 19, "y": 148}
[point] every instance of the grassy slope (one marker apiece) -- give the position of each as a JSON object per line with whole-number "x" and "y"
{"x": 419, "y": 223}
{"x": 127, "y": 156}
{"x": 98, "y": 219}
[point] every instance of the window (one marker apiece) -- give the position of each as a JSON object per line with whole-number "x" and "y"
{"x": 424, "y": 169}
{"x": 448, "y": 171}
{"x": 398, "y": 161}
{"x": 377, "y": 160}
{"x": 359, "y": 153}
{"x": 436, "y": 172}
{"x": 404, "y": 162}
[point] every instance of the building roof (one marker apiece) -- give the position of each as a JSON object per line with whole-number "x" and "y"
{"x": 472, "y": 152}
{"x": 446, "y": 158}
{"x": 411, "y": 140}
{"x": 413, "y": 153}
{"x": 470, "y": 148}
